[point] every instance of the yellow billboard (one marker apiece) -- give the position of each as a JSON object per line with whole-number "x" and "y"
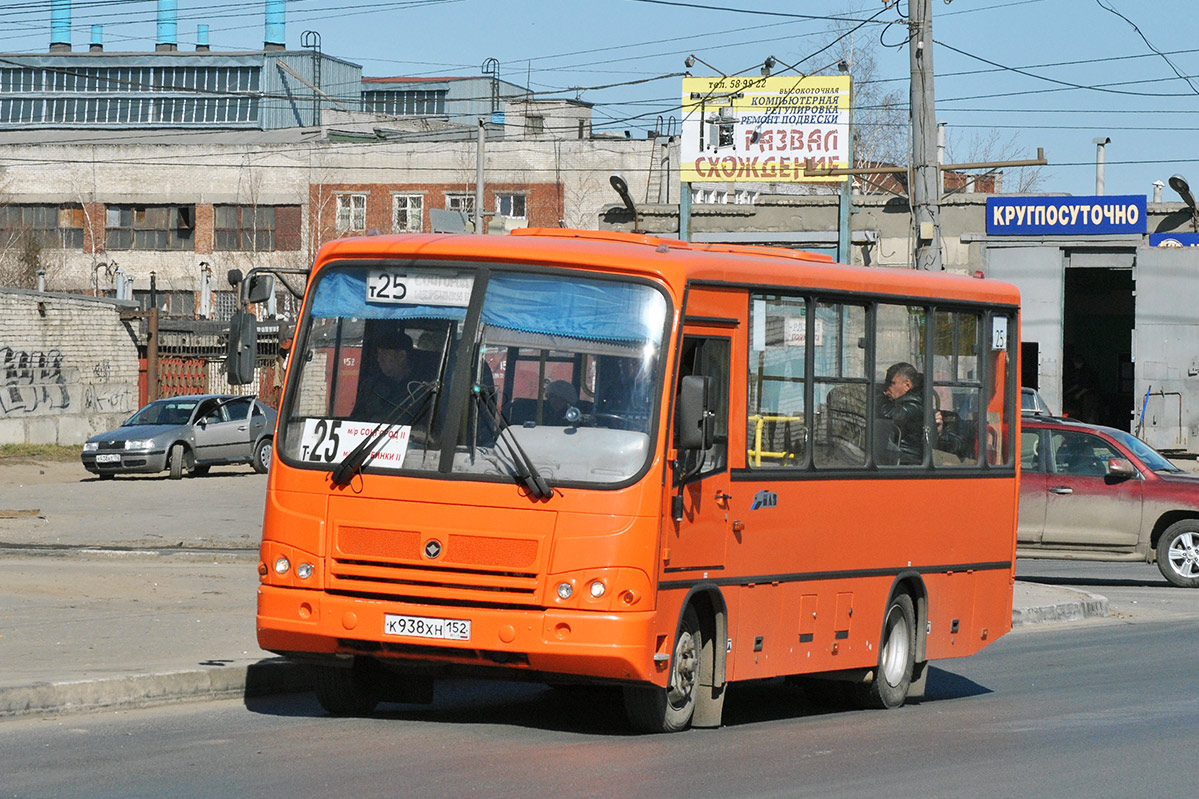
{"x": 764, "y": 129}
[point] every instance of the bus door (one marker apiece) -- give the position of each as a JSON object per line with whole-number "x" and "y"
{"x": 702, "y": 500}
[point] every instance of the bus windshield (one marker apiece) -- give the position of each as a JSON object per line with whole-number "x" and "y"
{"x": 558, "y": 371}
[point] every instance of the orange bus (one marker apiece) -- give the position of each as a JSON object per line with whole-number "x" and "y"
{"x": 583, "y": 456}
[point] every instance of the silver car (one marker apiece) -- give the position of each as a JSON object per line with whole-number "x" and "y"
{"x": 186, "y": 434}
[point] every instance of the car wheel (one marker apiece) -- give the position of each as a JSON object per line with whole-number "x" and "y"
{"x": 1178, "y": 553}
{"x": 262, "y": 456}
{"x": 175, "y": 461}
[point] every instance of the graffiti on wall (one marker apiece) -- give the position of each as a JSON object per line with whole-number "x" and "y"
{"x": 34, "y": 382}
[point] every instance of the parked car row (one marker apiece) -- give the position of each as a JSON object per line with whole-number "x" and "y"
{"x": 1096, "y": 493}
{"x": 185, "y": 434}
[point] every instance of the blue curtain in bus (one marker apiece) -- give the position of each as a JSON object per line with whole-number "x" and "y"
{"x": 599, "y": 310}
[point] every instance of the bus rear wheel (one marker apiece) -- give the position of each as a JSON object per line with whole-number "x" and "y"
{"x": 896, "y": 658}
{"x": 670, "y": 709}
{"x": 346, "y": 692}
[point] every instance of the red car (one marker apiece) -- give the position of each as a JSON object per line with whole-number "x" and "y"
{"x": 1095, "y": 493}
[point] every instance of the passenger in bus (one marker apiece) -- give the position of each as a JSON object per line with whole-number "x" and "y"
{"x": 560, "y": 396}
{"x": 395, "y": 390}
{"x": 902, "y": 402}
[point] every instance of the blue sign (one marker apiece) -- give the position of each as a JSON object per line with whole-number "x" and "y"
{"x": 1174, "y": 239}
{"x": 1066, "y": 216}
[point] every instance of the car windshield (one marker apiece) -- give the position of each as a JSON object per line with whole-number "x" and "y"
{"x": 168, "y": 411}
{"x": 1147, "y": 454}
{"x": 563, "y": 367}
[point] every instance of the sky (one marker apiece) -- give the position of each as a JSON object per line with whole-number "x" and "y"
{"x": 1017, "y": 74}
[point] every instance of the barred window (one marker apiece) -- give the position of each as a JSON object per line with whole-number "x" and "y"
{"x": 351, "y": 212}
{"x": 407, "y": 213}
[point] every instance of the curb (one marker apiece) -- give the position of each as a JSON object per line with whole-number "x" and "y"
{"x": 271, "y": 676}
{"x": 1087, "y": 606}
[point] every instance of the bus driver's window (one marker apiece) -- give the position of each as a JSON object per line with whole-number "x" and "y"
{"x": 709, "y": 357}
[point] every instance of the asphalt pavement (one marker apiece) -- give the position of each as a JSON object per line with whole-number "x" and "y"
{"x": 117, "y": 598}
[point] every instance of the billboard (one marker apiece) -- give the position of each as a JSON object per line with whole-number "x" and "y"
{"x": 1066, "y": 216}
{"x": 763, "y": 129}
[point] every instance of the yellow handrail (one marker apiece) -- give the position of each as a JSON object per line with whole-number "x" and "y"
{"x": 756, "y": 452}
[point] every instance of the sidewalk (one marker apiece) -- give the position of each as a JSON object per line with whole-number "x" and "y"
{"x": 102, "y": 631}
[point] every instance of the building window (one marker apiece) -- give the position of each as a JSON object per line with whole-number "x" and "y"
{"x": 405, "y": 103}
{"x": 461, "y": 202}
{"x": 150, "y": 227}
{"x": 51, "y": 226}
{"x": 407, "y": 213}
{"x": 534, "y": 125}
{"x": 351, "y": 212}
{"x": 244, "y": 227}
{"x": 511, "y": 206}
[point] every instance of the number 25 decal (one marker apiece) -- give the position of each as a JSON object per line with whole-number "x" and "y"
{"x": 327, "y": 442}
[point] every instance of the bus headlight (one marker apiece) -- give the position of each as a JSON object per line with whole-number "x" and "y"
{"x": 565, "y": 590}
{"x": 282, "y": 564}
{"x": 597, "y": 589}
{"x": 304, "y": 571}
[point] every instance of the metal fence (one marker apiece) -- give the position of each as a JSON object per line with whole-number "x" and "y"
{"x": 191, "y": 359}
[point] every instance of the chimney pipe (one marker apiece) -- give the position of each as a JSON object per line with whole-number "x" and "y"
{"x": 202, "y": 39}
{"x": 97, "y": 45}
{"x": 275, "y": 38}
{"x": 60, "y": 26}
{"x": 168, "y": 27}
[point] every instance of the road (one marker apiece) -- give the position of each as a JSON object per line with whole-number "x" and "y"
{"x": 1095, "y": 710}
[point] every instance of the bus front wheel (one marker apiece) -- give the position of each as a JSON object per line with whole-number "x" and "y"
{"x": 896, "y": 658}
{"x": 670, "y": 709}
{"x": 345, "y": 692}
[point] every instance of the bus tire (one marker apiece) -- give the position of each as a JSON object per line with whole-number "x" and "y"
{"x": 345, "y": 692}
{"x": 670, "y": 709}
{"x": 896, "y": 658}
{"x": 175, "y": 460}
{"x": 1178, "y": 553}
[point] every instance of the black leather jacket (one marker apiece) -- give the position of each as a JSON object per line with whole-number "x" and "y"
{"x": 907, "y": 413}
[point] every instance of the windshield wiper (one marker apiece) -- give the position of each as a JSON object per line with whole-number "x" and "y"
{"x": 353, "y": 462}
{"x": 526, "y": 470}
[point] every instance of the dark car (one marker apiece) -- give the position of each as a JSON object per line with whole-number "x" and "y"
{"x": 1096, "y": 493}
{"x": 186, "y": 434}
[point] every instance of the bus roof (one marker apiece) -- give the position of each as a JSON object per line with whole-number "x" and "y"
{"x": 676, "y": 262}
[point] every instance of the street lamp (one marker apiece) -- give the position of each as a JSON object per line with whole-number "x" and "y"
{"x": 691, "y": 59}
{"x": 1180, "y": 185}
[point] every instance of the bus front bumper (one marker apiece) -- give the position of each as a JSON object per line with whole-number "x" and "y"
{"x": 608, "y": 646}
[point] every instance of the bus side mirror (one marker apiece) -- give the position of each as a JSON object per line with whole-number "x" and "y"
{"x": 242, "y": 353}
{"x": 696, "y": 421}
{"x": 258, "y": 288}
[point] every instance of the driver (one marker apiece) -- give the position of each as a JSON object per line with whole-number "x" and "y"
{"x": 393, "y": 383}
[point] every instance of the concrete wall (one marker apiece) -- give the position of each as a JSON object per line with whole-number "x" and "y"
{"x": 69, "y": 367}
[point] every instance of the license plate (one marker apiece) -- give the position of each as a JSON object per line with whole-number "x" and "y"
{"x": 422, "y": 627}
{"x": 112, "y": 458}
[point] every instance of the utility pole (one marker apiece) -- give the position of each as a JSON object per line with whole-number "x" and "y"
{"x": 480, "y": 223}
{"x": 925, "y": 176}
